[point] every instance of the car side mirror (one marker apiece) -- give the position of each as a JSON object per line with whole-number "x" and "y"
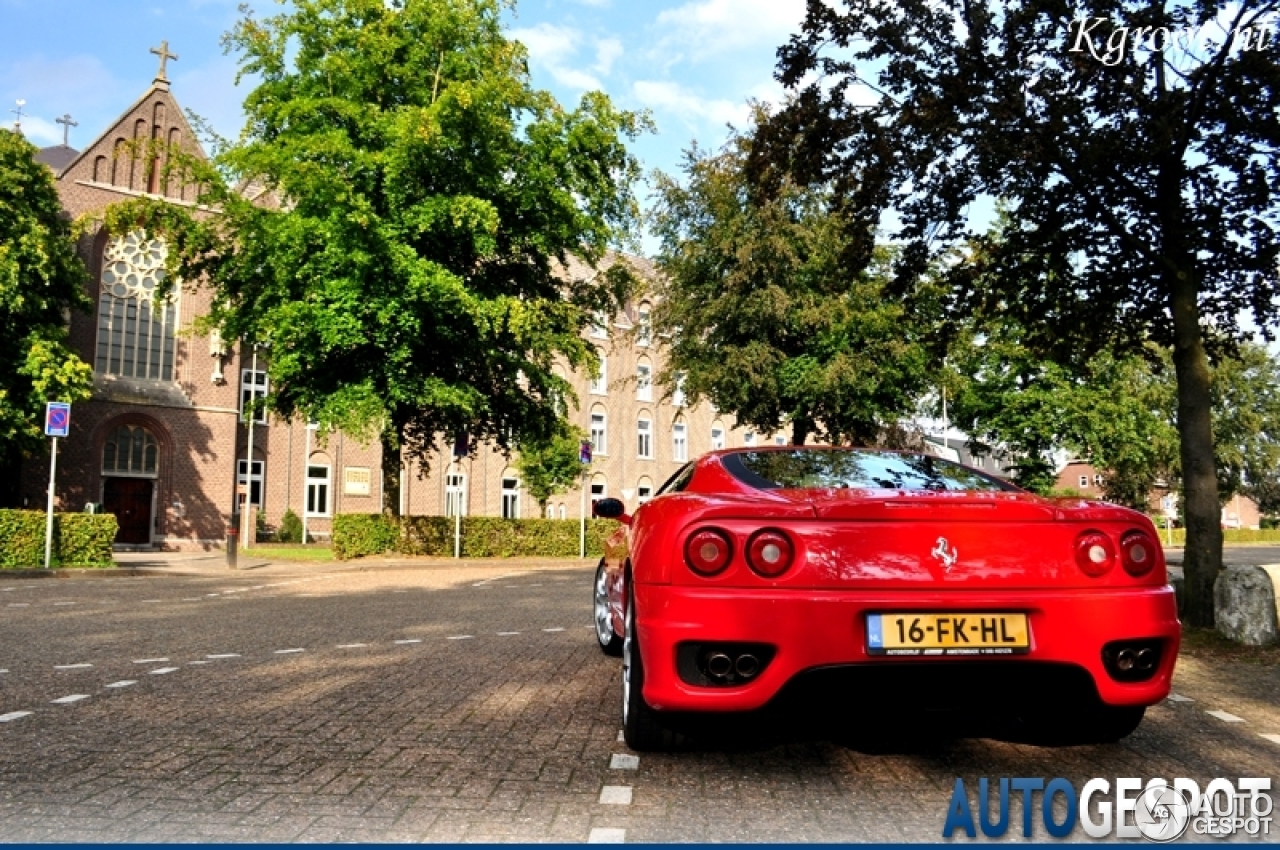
{"x": 608, "y": 508}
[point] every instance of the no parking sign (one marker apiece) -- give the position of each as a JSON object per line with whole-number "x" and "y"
{"x": 57, "y": 419}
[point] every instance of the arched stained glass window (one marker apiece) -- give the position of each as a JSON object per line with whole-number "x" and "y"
{"x": 131, "y": 450}
{"x": 136, "y": 335}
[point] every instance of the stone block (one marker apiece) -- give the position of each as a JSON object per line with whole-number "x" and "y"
{"x": 1244, "y": 604}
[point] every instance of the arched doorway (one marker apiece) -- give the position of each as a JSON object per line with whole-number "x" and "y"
{"x": 130, "y": 467}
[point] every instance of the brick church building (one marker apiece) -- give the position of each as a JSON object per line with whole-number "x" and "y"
{"x": 163, "y": 444}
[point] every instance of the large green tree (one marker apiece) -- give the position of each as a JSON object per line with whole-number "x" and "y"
{"x": 1135, "y": 142}
{"x": 41, "y": 278}
{"x": 766, "y": 319}
{"x": 397, "y": 218}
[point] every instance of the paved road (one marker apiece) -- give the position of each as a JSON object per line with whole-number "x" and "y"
{"x": 464, "y": 704}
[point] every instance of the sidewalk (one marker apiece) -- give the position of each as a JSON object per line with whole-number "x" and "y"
{"x": 215, "y": 564}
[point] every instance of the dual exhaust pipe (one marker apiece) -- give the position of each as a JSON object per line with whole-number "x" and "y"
{"x": 720, "y": 665}
{"x": 1132, "y": 660}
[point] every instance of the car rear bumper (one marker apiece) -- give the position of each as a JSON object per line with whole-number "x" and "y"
{"x": 809, "y": 631}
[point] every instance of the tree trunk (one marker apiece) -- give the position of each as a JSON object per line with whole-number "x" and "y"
{"x": 800, "y": 428}
{"x": 1202, "y": 558}
{"x": 391, "y": 440}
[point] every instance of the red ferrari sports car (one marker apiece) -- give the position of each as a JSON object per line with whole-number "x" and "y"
{"x": 864, "y": 579}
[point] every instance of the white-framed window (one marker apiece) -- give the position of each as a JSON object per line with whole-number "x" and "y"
{"x": 678, "y": 398}
{"x": 644, "y": 491}
{"x": 455, "y": 494}
{"x": 1084, "y": 481}
{"x": 980, "y": 462}
{"x": 510, "y": 498}
{"x": 551, "y": 511}
{"x": 599, "y": 433}
{"x": 1097, "y": 480}
{"x": 562, "y": 512}
{"x": 599, "y": 488}
{"x": 779, "y": 440}
{"x": 717, "y": 438}
{"x": 679, "y": 442}
{"x": 137, "y": 335}
{"x": 599, "y": 325}
{"x": 251, "y": 475}
{"x": 749, "y": 438}
{"x": 644, "y": 438}
{"x": 253, "y": 386}
{"x": 644, "y": 331}
{"x": 644, "y": 381}
{"x": 318, "y": 481}
{"x": 600, "y": 385}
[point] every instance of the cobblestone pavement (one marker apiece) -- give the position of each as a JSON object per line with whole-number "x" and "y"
{"x": 317, "y": 703}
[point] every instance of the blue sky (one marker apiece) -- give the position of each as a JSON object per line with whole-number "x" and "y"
{"x": 692, "y": 63}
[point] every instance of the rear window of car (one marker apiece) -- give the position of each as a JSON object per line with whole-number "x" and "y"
{"x": 858, "y": 469}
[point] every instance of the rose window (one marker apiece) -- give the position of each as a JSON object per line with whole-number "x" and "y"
{"x": 133, "y": 266}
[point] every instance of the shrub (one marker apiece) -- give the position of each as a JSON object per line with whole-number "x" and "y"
{"x": 290, "y": 530}
{"x": 363, "y": 534}
{"x": 82, "y": 540}
{"x": 482, "y": 537}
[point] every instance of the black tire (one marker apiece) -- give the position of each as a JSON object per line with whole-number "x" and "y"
{"x": 610, "y": 643}
{"x": 642, "y": 727}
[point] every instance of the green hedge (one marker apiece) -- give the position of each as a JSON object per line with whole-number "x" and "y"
{"x": 79, "y": 540}
{"x": 1229, "y": 535}
{"x": 355, "y": 535}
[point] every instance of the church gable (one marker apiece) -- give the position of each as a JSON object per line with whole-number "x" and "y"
{"x": 129, "y": 158}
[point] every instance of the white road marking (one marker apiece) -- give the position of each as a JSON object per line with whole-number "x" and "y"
{"x": 160, "y": 671}
{"x": 507, "y": 634}
{"x": 399, "y": 591}
{"x": 149, "y": 660}
{"x": 461, "y": 637}
{"x": 200, "y": 661}
{"x": 409, "y": 640}
{"x": 258, "y": 587}
{"x": 351, "y": 645}
{"x": 71, "y": 666}
{"x": 1275, "y": 739}
{"x": 13, "y": 715}
{"x": 557, "y": 629}
{"x": 152, "y": 600}
{"x": 539, "y": 584}
{"x": 1179, "y": 698}
{"x": 10, "y": 589}
{"x": 4, "y": 671}
{"x": 123, "y": 683}
{"x": 616, "y": 795}
{"x": 1225, "y": 717}
{"x": 607, "y": 835}
{"x": 224, "y": 655}
{"x": 193, "y": 599}
{"x": 287, "y": 651}
{"x": 624, "y": 761}
{"x": 69, "y": 699}
{"x": 64, "y": 603}
{"x": 19, "y": 605}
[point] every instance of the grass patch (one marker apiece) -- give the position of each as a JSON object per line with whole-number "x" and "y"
{"x": 290, "y": 552}
{"x": 1209, "y": 646}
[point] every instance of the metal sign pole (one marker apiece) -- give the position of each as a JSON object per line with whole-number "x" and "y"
{"x": 457, "y": 510}
{"x": 249, "y": 524}
{"x": 582, "y": 520}
{"x": 48, "y": 525}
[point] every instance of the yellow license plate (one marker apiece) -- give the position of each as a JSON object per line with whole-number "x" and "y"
{"x": 947, "y": 634}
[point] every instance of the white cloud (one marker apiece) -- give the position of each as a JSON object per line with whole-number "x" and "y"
{"x": 679, "y": 101}
{"x": 555, "y": 48}
{"x": 41, "y": 132}
{"x": 713, "y": 26}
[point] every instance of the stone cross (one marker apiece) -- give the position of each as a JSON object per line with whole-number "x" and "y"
{"x": 67, "y": 124}
{"x": 17, "y": 122}
{"x": 163, "y": 52}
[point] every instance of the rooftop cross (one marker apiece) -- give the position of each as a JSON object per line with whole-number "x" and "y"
{"x": 67, "y": 124}
{"x": 163, "y": 52}
{"x": 17, "y": 123}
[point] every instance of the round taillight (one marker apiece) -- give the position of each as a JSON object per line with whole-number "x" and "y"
{"x": 769, "y": 553}
{"x": 1095, "y": 554}
{"x": 1137, "y": 553}
{"x": 708, "y": 552}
